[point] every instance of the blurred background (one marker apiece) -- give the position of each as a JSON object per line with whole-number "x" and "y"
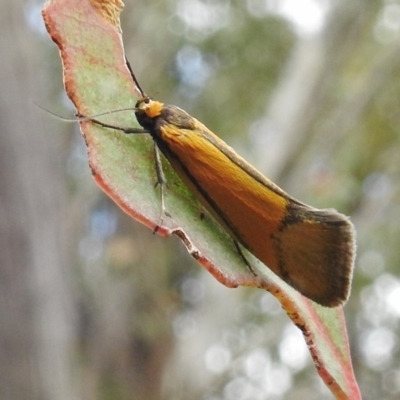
{"x": 94, "y": 306}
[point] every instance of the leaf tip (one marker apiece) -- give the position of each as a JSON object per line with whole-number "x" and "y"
{"x": 109, "y": 10}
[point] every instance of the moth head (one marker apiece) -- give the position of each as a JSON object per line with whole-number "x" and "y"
{"x": 147, "y": 111}
{"x": 148, "y": 107}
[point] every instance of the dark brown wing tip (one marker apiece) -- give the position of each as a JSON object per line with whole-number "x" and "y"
{"x": 316, "y": 250}
{"x": 341, "y": 254}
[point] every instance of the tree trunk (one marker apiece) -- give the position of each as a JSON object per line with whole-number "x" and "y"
{"x": 36, "y": 331}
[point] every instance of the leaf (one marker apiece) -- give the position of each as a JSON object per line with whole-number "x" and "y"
{"x": 96, "y": 79}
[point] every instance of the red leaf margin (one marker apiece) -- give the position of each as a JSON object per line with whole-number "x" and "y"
{"x": 73, "y": 25}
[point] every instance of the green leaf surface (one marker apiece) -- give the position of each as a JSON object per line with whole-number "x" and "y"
{"x": 97, "y": 80}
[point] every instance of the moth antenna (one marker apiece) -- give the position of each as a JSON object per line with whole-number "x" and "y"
{"x": 117, "y": 110}
{"x": 142, "y": 93}
{"x": 79, "y": 117}
{"x": 53, "y": 114}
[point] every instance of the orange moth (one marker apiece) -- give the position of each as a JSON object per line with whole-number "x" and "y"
{"x": 312, "y": 250}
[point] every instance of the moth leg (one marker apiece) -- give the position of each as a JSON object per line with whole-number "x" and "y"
{"x": 118, "y": 128}
{"x": 239, "y": 250}
{"x": 162, "y": 181}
